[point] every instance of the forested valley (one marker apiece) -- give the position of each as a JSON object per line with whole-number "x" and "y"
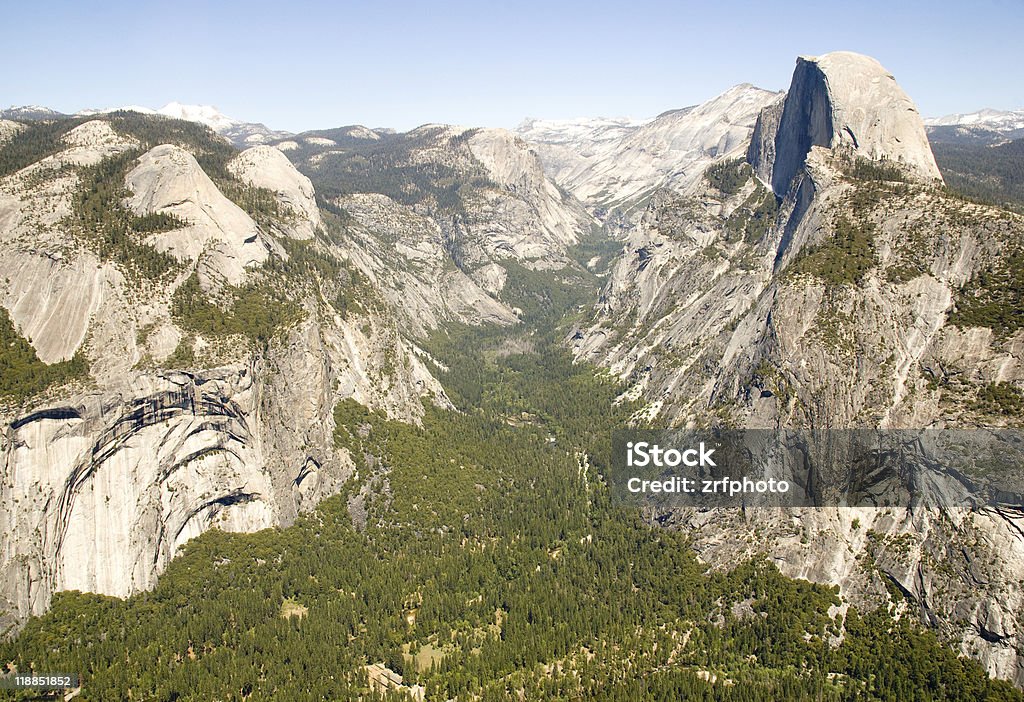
{"x": 481, "y": 556}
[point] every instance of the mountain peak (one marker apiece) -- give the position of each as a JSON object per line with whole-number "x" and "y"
{"x": 204, "y": 114}
{"x": 241, "y": 134}
{"x": 28, "y": 112}
{"x": 841, "y": 100}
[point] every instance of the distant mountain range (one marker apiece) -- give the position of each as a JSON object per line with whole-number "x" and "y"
{"x": 241, "y": 134}
{"x": 983, "y": 126}
{"x": 999, "y": 120}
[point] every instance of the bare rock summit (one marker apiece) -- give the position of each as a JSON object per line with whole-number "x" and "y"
{"x": 267, "y": 167}
{"x": 841, "y": 101}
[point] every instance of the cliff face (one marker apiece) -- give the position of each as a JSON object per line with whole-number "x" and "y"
{"x": 617, "y": 168}
{"x": 168, "y": 180}
{"x": 840, "y": 101}
{"x": 816, "y": 285}
{"x": 266, "y": 167}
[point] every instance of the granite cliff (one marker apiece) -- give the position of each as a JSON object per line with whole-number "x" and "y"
{"x": 826, "y": 280}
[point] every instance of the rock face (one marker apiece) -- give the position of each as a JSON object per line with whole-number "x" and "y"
{"x": 842, "y": 100}
{"x": 266, "y": 167}
{"x": 516, "y": 169}
{"x": 168, "y": 179}
{"x": 739, "y": 303}
{"x": 56, "y": 314}
{"x": 8, "y": 129}
{"x": 567, "y": 145}
{"x": 95, "y": 134}
{"x": 406, "y": 253}
{"x": 50, "y": 295}
{"x": 105, "y": 478}
{"x": 670, "y": 151}
{"x": 100, "y": 494}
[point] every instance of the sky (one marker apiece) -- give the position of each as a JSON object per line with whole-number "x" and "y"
{"x": 298, "y": 65}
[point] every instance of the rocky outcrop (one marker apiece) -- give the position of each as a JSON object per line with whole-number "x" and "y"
{"x": 541, "y": 217}
{"x": 406, "y": 253}
{"x": 99, "y": 489}
{"x": 847, "y": 101}
{"x": 220, "y": 235}
{"x": 267, "y": 167}
{"x": 8, "y": 129}
{"x": 96, "y": 134}
{"x": 53, "y": 299}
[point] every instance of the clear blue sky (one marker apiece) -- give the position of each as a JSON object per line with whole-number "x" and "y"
{"x": 295, "y": 64}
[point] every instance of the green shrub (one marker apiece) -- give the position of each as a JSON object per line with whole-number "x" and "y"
{"x": 881, "y": 171}
{"x": 729, "y": 176}
{"x": 994, "y": 297}
{"x": 183, "y": 355}
{"x": 752, "y": 220}
{"x": 99, "y": 217}
{"x": 1001, "y": 399}
{"x": 34, "y": 143}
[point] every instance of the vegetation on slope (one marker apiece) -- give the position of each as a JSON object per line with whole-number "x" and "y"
{"x": 990, "y": 173}
{"x": 843, "y": 259}
{"x": 884, "y": 171}
{"x": 388, "y": 166}
{"x": 36, "y": 142}
{"x": 729, "y": 175}
{"x": 753, "y": 219}
{"x": 994, "y": 298}
{"x": 101, "y": 219}
{"x": 22, "y": 374}
{"x": 256, "y": 310}
{"x": 99, "y": 216}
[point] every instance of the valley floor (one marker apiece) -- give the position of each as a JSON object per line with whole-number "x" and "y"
{"x": 480, "y": 556}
